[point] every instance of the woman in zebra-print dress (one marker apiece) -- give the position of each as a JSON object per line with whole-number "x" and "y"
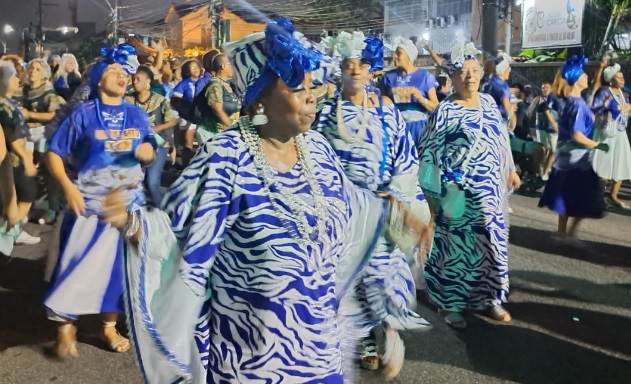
{"x": 241, "y": 278}
{"x": 369, "y": 135}
{"x": 467, "y": 143}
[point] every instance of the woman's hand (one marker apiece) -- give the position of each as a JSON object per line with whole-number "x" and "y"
{"x": 74, "y": 199}
{"x": 418, "y": 96}
{"x": 30, "y": 170}
{"x": 425, "y": 244}
{"x": 115, "y": 209}
{"x": 26, "y": 113}
{"x": 424, "y": 233}
{"x": 145, "y": 153}
{"x": 514, "y": 182}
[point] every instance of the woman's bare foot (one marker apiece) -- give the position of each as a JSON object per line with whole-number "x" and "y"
{"x": 66, "y": 345}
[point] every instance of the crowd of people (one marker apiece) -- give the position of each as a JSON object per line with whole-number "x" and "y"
{"x": 314, "y": 196}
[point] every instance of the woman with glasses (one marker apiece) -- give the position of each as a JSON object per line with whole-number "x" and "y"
{"x": 467, "y": 173}
{"x": 244, "y": 277}
{"x": 369, "y": 136}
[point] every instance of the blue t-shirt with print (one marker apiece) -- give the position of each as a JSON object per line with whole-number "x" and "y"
{"x": 91, "y": 143}
{"x": 398, "y": 86}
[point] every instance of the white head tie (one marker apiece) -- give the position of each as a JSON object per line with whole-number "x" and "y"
{"x": 610, "y": 72}
{"x": 461, "y": 52}
{"x": 407, "y": 45}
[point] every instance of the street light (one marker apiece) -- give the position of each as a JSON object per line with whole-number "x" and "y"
{"x": 6, "y": 30}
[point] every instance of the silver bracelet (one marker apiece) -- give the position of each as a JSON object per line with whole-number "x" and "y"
{"x": 132, "y": 226}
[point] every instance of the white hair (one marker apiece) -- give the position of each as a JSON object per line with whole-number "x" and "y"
{"x": 61, "y": 71}
{"x": 7, "y": 71}
{"x": 46, "y": 73}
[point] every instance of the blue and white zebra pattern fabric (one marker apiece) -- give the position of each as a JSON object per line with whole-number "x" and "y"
{"x": 468, "y": 266}
{"x": 265, "y": 309}
{"x": 387, "y": 291}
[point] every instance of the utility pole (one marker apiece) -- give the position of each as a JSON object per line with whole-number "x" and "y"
{"x": 490, "y": 15}
{"x": 509, "y": 27}
{"x": 40, "y": 12}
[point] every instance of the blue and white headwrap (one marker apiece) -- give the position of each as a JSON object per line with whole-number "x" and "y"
{"x": 357, "y": 46}
{"x": 572, "y": 70}
{"x": 461, "y": 52}
{"x": 326, "y": 70}
{"x": 261, "y": 58}
{"x": 124, "y": 55}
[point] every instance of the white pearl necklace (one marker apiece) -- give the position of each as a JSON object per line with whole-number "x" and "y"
{"x": 305, "y": 233}
{"x": 341, "y": 127}
{"x": 621, "y": 101}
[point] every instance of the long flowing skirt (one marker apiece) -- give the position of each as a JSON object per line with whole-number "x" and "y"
{"x": 615, "y": 164}
{"x": 468, "y": 267}
{"x": 88, "y": 277}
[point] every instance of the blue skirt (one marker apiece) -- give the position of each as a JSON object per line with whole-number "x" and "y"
{"x": 574, "y": 193}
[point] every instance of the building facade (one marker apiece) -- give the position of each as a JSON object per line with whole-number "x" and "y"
{"x": 440, "y": 21}
{"x": 197, "y": 27}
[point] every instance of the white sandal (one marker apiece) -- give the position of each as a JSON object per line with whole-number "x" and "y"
{"x": 370, "y": 355}
{"x": 120, "y": 341}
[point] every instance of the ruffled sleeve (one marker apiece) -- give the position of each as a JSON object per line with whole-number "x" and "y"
{"x": 404, "y": 183}
{"x": 168, "y": 274}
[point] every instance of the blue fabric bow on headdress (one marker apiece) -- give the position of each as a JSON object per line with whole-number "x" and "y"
{"x": 286, "y": 57}
{"x": 572, "y": 70}
{"x": 109, "y": 56}
{"x": 373, "y": 53}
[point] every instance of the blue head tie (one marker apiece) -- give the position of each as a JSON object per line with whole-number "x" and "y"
{"x": 109, "y": 56}
{"x": 373, "y": 53}
{"x": 572, "y": 70}
{"x": 286, "y": 58}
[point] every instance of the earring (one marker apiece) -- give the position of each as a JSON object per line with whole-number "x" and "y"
{"x": 260, "y": 118}
{"x": 148, "y": 86}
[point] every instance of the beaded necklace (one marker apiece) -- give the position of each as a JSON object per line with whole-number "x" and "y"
{"x": 305, "y": 233}
{"x": 341, "y": 127}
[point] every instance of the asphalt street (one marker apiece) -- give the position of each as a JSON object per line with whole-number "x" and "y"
{"x": 571, "y": 308}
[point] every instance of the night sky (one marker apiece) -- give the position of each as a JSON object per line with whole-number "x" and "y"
{"x": 20, "y": 13}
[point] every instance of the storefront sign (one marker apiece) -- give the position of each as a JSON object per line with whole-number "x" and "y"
{"x": 552, "y": 23}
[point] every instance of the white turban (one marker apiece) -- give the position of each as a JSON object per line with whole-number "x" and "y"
{"x": 610, "y": 72}
{"x": 407, "y": 45}
{"x": 503, "y": 65}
